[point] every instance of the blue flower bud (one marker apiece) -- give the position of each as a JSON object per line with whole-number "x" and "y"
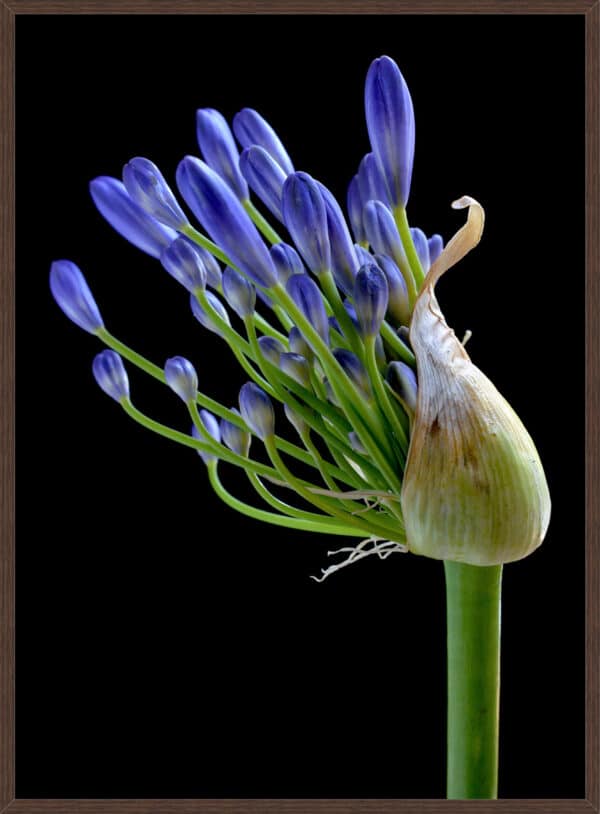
{"x": 264, "y": 176}
{"x": 370, "y": 181}
{"x": 296, "y": 367}
{"x": 421, "y": 247}
{"x": 237, "y": 439}
{"x": 218, "y": 148}
{"x": 306, "y": 295}
{"x": 184, "y": 263}
{"x": 305, "y": 217}
{"x": 70, "y": 290}
{"x": 212, "y": 426}
{"x": 298, "y": 343}
{"x": 334, "y": 325}
{"x": 257, "y": 410}
{"x": 146, "y": 186}
{"x": 370, "y": 298}
{"x": 436, "y": 245}
{"x": 403, "y": 381}
{"x": 391, "y": 125}
{"x": 355, "y": 370}
{"x": 204, "y": 318}
{"x": 239, "y": 293}
{"x": 354, "y": 204}
{"x": 111, "y": 375}
{"x": 297, "y": 422}
{"x": 398, "y": 303}
{"x": 287, "y": 261}
{"x": 128, "y": 218}
{"x": 404, "y": 334}
{"x": 271, "y": 349}
{"x": 225, "y": 220}
{"x": 362, "y": 255}
{"x": 250, "y": 128}
{"x": 382, "y": 231}
{"x": 212, "y": 268}
{"x": 182, "y": 378}
{"x": 344, "y": 263}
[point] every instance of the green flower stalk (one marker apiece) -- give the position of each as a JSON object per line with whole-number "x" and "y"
{"x": 345, "y": 350}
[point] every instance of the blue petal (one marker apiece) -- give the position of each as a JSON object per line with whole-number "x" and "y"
{"x": 111, "y": 375}
{"x": 307, "y": 297}
{"x": 239, "y": 293}
{"x": 391, "y": 125}
{"x": 225, "y": 220}
{"x": 71, "y": 292}
{"x": 370, "y": 298}
{"x": 305, "y": 217}
{"x": 146, "y": 186}
{"x": 219, "y": 150}
{"x": 250, "y": 128}
{"x": 128, "y": 218}
{"x": 184, "y": 263}
{"x": 257, "y": 410}
{"x": 182, "y": 378}
{"x": 264, "y": 176}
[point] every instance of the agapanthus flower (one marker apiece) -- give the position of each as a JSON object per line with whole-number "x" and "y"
{"x": 338, "y": 335}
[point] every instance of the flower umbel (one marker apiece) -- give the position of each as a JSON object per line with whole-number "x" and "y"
{"x": 410, "y": 447}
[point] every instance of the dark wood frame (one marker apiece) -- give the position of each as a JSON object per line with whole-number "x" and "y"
{"x": 9, "y": 9}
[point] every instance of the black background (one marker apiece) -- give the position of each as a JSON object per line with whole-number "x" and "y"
{"x": 167, "y": 646}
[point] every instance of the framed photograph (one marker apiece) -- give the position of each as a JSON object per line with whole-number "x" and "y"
{"x": 164, "y": 653}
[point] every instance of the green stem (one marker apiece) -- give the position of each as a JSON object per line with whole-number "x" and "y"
{"x": 262, "y": 224}
{"x": 473, "y": 618}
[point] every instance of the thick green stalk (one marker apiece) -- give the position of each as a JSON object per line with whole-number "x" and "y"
{"x": 473, "y": 618}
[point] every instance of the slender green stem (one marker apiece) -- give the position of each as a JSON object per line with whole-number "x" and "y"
{"x": 409, "y": 246}
{"x": 271, "y": 517}
{"x": 207, "y": 244}
{"x": 473, "y": 619}
{"x": 261, "y": 223}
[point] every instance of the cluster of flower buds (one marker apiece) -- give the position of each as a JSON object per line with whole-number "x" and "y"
{"x": 318, "y": 320}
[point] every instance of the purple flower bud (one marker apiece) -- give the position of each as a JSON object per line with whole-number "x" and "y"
{"x": 354, "y": 203}
{"x": 111, "y": 375}
{"x": 370, "y": 298}
{"x": 421, "y": 247}
{"x": 382, "y": 231}
{"x": 296, "y": 367}
{"x": 234, "y": 437}
{"x": 204, "y": 318}
{"x": 212, "y": 427}
{"x": 344, "y": 263}
{"x": 403, "y": 381}
{"x": 184, "y": 263}
{"x": 182, "y": 378}
{"x": 391, "y": 125}
{"x": 305, "y": 217}
{"x": 287, "y": 261}
{"x": 398, "y": 303}
{"x": 250, "y": 128}
{"x": 264, "y": 176}
{"x": 128, "y": 218}
{"x": 257, "y": 410}
{"x": 146, "y": 186}
{"x": 225, "y": 220}
{"x": 70, "y": 290}
{"x": 306, "y": 295}
{"x": 355, "y": 370}
{"x": 436, "y": 245}
{"x": 271, "y": 349}
{"x": 239, "y": 293}
{"x": 218, "y": 148}
{"x": 370, "y": 181}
